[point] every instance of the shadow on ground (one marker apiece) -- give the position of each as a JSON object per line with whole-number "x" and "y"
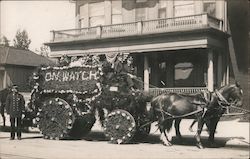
{"x": 8, "y": 129}
{"x": 188, "y": 140}
{"x": 95, "y": 136}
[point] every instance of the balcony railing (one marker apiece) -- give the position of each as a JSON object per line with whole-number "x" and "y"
{"x": 139, "y": 28}
{"x": 186, "y": 90}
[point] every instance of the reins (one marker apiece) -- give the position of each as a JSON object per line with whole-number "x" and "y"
{"x": 246, "y": 111}
{"x": 179, "y": 116}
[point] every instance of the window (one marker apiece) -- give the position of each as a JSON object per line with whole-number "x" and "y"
{"x": 209, "y": 7}
{"x": 140, "y": 10}
{"x": 96, "y": 14}
{"x": 183, "y": 8}
{"x": 162, "y": 12}
{"x": 116, "y": 6}
{"x": 184, "y": 74}
{"x": 183, "y": 70}
{"x": 140, "y": 14}
{"x": 82, "y": 18}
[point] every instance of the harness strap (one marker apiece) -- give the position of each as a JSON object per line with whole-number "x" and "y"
{"x": 221, "y": 98}
{"x": 181, "y": 116}
{"x": 245, "y": 110}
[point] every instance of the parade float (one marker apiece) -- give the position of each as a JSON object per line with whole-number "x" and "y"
{"x": 66, "y": 99}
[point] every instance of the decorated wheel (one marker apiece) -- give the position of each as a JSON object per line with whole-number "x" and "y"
{"x": 119, "y": 126}
{"x": 55, "y": 118}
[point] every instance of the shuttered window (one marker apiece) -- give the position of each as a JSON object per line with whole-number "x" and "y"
{"x": 162, "y": 12}
{"x": 209, "y": 7}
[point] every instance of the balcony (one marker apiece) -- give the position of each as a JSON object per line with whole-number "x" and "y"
{"x": 139, "y": 28}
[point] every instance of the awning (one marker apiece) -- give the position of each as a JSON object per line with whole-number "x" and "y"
{"x": 135, "y": 48}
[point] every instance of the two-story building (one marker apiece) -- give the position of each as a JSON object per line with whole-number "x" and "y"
{"x": 178, "y": 45}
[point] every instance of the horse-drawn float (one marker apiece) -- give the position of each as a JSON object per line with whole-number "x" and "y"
{"x": 66, "y": 100}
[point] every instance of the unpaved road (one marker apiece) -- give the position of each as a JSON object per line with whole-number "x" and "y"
{"x": 232, "y": 137}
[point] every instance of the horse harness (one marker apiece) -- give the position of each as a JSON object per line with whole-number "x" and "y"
{"x": 208, "y": 97}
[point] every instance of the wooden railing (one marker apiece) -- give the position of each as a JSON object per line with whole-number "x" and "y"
{"x": 139, "y": 28}
{"x": 186, "y": 90}
{"x": 174, "y": 24}
{"x": 119, "y": 30}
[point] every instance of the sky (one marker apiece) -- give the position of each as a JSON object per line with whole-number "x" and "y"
{"x": 38, "y": 18}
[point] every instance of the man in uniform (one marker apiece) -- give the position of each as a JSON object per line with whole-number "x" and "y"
{"x": 15, "y": 106}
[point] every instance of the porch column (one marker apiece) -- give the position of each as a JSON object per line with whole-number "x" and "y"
{"x": 224, "y": 65}
{"x": 227, "y": 69}
{"x": 219, "y": 70}
{"x": 210, "y": 71}
{"x": 146, "y": 74}
{"x": 5, "y": 79}
{"x": 220, "y": 10}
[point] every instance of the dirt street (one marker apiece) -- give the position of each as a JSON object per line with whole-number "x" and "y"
{"x": 232, "y": 138}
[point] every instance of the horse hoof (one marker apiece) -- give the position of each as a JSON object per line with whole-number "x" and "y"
{"x": 199, "y": 146}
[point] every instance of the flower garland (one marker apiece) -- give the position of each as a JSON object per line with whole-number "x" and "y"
{"x": 87, "y": 62}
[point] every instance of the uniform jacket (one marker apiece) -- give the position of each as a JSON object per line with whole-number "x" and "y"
{"x": 15, "y": 105}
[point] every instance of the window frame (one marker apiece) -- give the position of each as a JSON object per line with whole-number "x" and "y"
{"x": 116, "y": 14}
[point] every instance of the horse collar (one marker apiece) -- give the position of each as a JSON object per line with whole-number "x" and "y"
{"x": 221, "y": 100}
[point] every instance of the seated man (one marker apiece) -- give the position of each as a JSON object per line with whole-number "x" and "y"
{"x": 118, "y": 64}
{"x": 131, "y": 71}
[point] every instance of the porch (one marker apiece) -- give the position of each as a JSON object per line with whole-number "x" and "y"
{"x": 146, "y": 38}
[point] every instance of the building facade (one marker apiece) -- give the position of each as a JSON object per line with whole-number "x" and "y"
{"x": 177, "y": 45}
{"x": 17, "y": 65}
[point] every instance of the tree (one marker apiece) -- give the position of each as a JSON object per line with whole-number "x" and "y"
{"x": 22, "y": 40}
{"x": 4, "y": 41}
{"x": 44, "y": 51}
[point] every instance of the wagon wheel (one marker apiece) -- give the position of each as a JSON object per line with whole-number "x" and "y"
{"x": 55, "y": 118}
{"x": 119, "y": 126}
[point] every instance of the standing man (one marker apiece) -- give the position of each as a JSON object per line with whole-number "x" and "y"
{"x": 15, "y": 108}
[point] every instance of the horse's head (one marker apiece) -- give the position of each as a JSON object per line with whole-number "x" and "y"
{"x": 233, "y": 94}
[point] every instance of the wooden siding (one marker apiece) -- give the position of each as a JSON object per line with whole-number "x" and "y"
{"x": 19, "y": 76}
